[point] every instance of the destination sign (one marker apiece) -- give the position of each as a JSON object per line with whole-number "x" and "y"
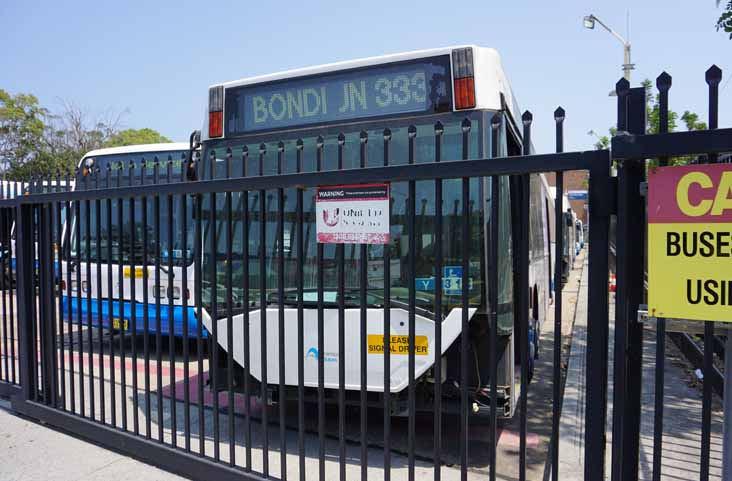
{"x": 408, "y": 87}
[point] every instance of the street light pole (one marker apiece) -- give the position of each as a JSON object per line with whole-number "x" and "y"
{"x": 590, "y": 21}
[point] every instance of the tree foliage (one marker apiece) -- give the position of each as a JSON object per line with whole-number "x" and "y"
{"x": 135, "y": 137}
{"x": 725, "y": 19}
{"x": 653, "y": 122}
{"x": 22, "y": 126}
{"x": 36, "y": 143}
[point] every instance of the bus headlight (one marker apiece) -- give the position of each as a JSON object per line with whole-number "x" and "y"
{"x": 162, "y": 291}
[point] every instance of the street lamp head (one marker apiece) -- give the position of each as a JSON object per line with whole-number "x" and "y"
{"x": 589, "y": 22}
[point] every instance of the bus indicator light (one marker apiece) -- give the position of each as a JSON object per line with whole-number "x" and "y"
{"x": 464, "y": 83}
{"x": 215, "y": 124}
{"x": 216, "y": 111}
{"x": 464, "y": 93}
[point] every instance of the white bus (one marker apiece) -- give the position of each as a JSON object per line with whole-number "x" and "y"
{"x": 252, "y": 116}
{"x": 90, "y": 272}
{"x": 7, "y": 237}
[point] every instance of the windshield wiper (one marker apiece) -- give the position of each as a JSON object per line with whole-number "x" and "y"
{"x": 393, "y": 302}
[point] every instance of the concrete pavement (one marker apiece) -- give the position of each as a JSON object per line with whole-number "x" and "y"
{"x": 682, "y": 415}
{"x": 30, "y": 451}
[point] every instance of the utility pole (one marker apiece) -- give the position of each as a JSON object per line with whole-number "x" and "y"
{"x": 589, "y": 23}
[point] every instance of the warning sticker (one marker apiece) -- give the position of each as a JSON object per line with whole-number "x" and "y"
{"x": 398, "y": 344}
{"x": 353, "y": 214}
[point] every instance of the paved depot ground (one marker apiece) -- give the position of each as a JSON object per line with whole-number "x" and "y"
{"x": 32, "y": 452}
{"x": 682, "y": 413}
{"x": 539, "y": 424}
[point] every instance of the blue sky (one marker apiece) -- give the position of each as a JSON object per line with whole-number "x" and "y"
{"x": 156, "y": 59}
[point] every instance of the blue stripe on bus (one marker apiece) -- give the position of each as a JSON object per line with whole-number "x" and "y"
{"x": 139, "y": 311}
{"x": 14, "y": 262}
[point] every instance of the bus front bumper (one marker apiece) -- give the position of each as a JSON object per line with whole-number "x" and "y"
{"x": 80, "y": 310}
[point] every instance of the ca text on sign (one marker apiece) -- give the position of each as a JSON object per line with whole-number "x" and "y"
{"x": 690, "y": 242}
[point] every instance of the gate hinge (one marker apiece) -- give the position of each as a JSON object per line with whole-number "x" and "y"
{"x": 643, "y": 189}
{"x": 642, "y": 313}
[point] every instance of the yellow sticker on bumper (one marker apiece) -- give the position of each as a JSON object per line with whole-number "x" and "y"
{"x": 398, "y": 344}
{"x": 119, "y": 325}
{"x": 138, "y": 272}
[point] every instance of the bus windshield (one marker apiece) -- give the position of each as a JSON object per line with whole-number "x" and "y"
{"x": 115, "y": 169}
{"x": 246, "y": 214}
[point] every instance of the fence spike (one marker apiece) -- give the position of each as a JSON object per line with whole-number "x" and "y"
{"x": 713, "y": 75}
{"x": 559, "y": 115}
{"x": 527, "y": 117}
{"x": 663, "y": 82}
{"x": 622, "y": 87}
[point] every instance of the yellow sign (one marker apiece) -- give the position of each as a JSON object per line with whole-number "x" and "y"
{"x": 138, "y": 272}
{"x": 690, "y": 242}
{"x": 116, "y": 324}
{"x": 398, "y": 344}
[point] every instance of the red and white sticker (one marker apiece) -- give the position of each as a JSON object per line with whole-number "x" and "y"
{"x": 353, "y": 214}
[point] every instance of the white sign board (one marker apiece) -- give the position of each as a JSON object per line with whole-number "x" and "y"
{"x": 353, "y": 214}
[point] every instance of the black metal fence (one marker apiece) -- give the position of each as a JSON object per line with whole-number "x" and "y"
{"x": 634, "y": 150}
{"x": 9, "y": 368}
{"x": 126, "y": 375}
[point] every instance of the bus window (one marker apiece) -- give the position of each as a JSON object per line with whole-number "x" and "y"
{"x": 452, "y": 242}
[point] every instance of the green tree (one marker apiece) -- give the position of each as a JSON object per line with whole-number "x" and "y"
{"x": 135, "y": 137}
{"x": 22, "y": 127}
{"x": 725, "y": 19}
{"x": 653, "y": 122}
{"x": 692, "y": 121}
{"x": 37, "y": 143}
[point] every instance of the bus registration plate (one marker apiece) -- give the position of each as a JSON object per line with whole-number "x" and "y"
{"x": 116, "y": 324}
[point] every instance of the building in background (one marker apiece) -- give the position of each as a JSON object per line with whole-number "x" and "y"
{"x": 576, "y": 184}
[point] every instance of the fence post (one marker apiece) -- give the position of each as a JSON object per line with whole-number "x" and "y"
{"x": 25, "y": 292}
{"x": 628, "y": 360}
{"x": 600, "y": 196}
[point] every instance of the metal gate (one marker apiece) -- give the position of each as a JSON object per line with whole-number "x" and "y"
{"x": 9, "y": 366}
{"x": 67, "y": 364}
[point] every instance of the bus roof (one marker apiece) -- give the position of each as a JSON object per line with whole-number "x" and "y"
{"x": 135, "y": 149}
{"x": 490, "y": 79}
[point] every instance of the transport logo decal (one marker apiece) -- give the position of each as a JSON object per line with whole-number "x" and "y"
{"x": 329, "y": 356}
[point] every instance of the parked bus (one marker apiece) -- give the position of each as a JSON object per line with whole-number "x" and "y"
{"x": 101, "y": 272}
{"x": 580, "y": 232}
{"x": 7, "y": 224}
{"x": 324, "y": 107}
